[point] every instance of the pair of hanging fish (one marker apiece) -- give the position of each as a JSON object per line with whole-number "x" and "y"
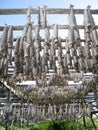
{"x": 91, "y": 38}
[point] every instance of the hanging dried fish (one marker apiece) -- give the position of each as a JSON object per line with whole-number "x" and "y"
{"x": 29, "y": 15}
{"x": 73, "y": 34}
{"x": 69, "y": 59}
{"x": 21, "y": 50}
{"x": 66, "y": 71}
{"x": 27, "y": 67}
{"x": 54, "y": 64}
{"x": 5, "y": 67}
{"x": 21, "y": 54}
{"x": 81, "y": 62}
{"x": 87, "y": 51}
{"x": 39, "y": 19}
{"x": 25, "y": 30}
{"x": 72, "y": 19}
{"x": 10, "y": 36}
{"x": 44, "y": 61}
{"x": 55, "y": 36}
{"x": 46, "y": 47}
{"x": 37, "y": 38}
{"x": 76, "y": 65}
{"x": 1, "y": 66}
{"x": 16, "y": 57}
{"x": 90, "y": 26}
{"x": 4, "y": 41}
{"x": 32, "y": 50}
{"x": 1, "y": 49}
{"x": 26, "y": 48}
{"x": 42, "y": 16}
{"x": 29, "y": 35}
{"x": 94, "y": 38}
{"x": 4, "y": 51}
{"x": 47, "y": 35}
{"x": 47, "y": 38}
{"x": 17, "y": 46}
{"x": 36, "y": 33}
{"x": 37, "y": 57}
{"x": 10, "y": 43}
{"x": 71, "y": 38}
{"x": 60, "y": 52}
{"x": 87, "y": 37}
{"x": 87, "y": 19}
{"x": 51, "y": 54}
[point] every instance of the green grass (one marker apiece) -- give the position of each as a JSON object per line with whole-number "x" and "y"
{"x": 55, "y": 125}
{"x": 2, "y": 128}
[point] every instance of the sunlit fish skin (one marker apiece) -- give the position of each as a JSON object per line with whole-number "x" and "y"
{"x": 55, "y": 31}
{"x": 90, "y": 25}
{"x": 29, "y": 35}
{"x": 47, "y": 34}
{"x": 37, "y": 57}
{"x": 94, "y": 37}
{"x": 71, "y": 40}
{"x": 87, "y": 20}
{"x": 36, "y": 32}
{"x": 29, "y": 15}
{"x": 91, "y": 18}
{"x": 73, "y": 32}
{"x": 71, "y": 18}
{"x": 91, "y": 35}
{"x": 47, "y": 43}
{"x": 42, "y": 16}
{"x": 37, "y": 37}
{"x": 25, "y": 30}
{"x": 10, "y": 35}
{"x": 55, "y": 36}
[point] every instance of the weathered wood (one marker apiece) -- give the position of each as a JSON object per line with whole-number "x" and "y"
{"x": 48, "y": 11}
{"x": 43, "y": 40}
{"x": 20, "y": 27}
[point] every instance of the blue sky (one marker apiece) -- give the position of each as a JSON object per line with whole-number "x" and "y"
{"x": 59, "y": 19}
{"x": 13, "y": 19}
{"x": 49, "y": 3}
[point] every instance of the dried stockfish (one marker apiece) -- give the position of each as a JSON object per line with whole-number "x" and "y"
{"x": 42, "y": 16}
{"x": 10, "y": 43}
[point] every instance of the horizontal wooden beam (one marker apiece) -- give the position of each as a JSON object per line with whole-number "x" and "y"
{"x": 48, "y": 11}
{"x": 20, "y": 27}
{"x": 43, "y": 40}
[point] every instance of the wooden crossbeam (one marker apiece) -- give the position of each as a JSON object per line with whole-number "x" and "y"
{"x": 20, "y": 27}
{"x": 48, "y": 11}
